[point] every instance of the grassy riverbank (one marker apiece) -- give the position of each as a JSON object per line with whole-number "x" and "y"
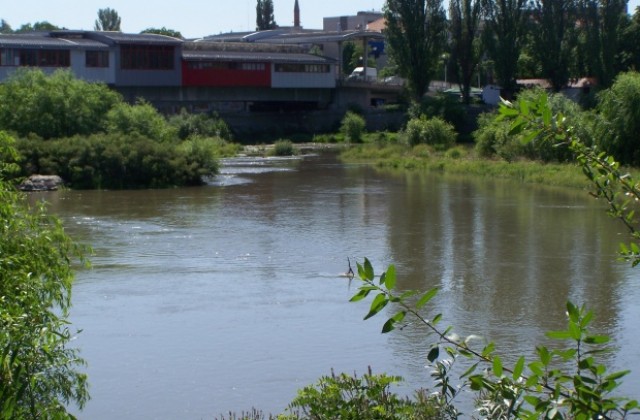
{"x": 464, "y": 160}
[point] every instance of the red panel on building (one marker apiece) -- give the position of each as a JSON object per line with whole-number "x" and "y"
{"x": 226, "y": 74}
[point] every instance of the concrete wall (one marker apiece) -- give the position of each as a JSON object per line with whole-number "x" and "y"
{"x": 78, "y": 66}
{"x": 303, "y": 80}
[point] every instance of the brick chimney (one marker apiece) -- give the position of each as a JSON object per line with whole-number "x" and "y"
{"x": 296, "y": 15}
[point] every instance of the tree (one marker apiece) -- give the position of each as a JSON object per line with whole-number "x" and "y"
{"x": 503, "y": 38}
{"x": 465, "y": 18}
{"x": 108, "y": 20}
{"x": 416, "y": 36}
{"x": 38, "y": 26}
{"x": 553, "y": 38}
{"x": 53, "y": 106}
{"x": 631, "y": 42}
{"x": 37, "y": 368}
{"x": 264, "y": 15}
{"x": 5, "y": 28}
{"x": 163, "y": 31}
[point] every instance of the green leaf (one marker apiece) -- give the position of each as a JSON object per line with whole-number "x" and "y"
{"x": 367, "y": 270}
{"x": 434, "y": 353}
{"x": 574, "y": 313}
{"x": 388, "y": 326}
{"x": 426, "y": 298}
{"x": 379, "y": 302}
{"x": 559, "y": 335}
{"x": 489, "y": 348}
{"x": 617, "y": 375}
{"x": 519, "y": 367}
{"x": 546, "y": 116}
{"x": 390, "y": 278}
{"x": 469, "y": 371}
{"x": 530, "y": 136}
{"x": 360, "y": 295}
{"x": 597, "y": 339}
{"x": 497, "y": 367}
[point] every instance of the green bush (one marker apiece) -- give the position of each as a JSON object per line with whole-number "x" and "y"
{"x": 283, "y": 148}
{"x": 350, "y": 397}
{"x": 140, "y": 119}
{"x": 493, "y": 137}
{"x": 618, "y": 130}
{"x": 187, "y": 125}
{"x": 38, "y": 376}
{"x": 352, "y": 127}
{"x": 432, "y": 131}
{"x": 117, "y": 161}
{"x": 53, "y": 106}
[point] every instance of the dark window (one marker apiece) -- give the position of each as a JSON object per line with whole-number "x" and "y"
{"x": 302, "y": 68}
{"x": 35, "y": 58}
{"x": 147, "y": 57}
{"x": 97, "y": 59}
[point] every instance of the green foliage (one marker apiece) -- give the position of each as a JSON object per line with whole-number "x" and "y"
{"x": 416, "y": 32}
{"x": 140, "y": 119}
{"x": 283, "y": 148}
{"x": 352, "y": 127}
{"x": 465, "y": 41}
{"x": 53, "y": 106}
{"x": 432, "y": 131}
{"x": 546, "y": 387}
{"x": 264, "y": 15}
{"x": 163, "y": 31}
{"x": 38, "y": 26}
{"x": 117, "y": 161}
{"x": 37, "y": 366}
{"x": 494, "y": 135}
{"x": 108, "y": 20}
{"x": 443, "y": 106}
{"x": 187, "y": 125}
{"x": 536, "y": 121}
{"x": 618, "y": 131}
{"x": 503, "y": 38}
{"x": 350, "y": 397}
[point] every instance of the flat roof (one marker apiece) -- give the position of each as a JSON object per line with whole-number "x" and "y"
{"x": 253, "y": 56}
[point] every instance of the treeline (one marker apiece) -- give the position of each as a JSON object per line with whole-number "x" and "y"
{"x": 85, "y": 133}
{"x": 506, "y": 40}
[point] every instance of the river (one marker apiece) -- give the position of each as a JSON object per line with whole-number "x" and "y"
{"x": 226, "y": 297}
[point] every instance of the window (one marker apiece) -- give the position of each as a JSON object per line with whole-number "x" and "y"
{"x": 35, "y": 58}
{"x": 97, "y": 59}
{"x": 147, "y": 57}
{"x": 224, "y": 65}
{"x": 302, "y": 68}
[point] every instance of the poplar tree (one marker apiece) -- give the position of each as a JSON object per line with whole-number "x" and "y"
{"x": 465, "y": 18}
{"x": 416, "y": 38}
{"x": 265, "y": 19}
{"x": 108, "y": 20}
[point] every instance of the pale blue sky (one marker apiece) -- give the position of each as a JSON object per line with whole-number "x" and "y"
{"x": 194, "y": 18}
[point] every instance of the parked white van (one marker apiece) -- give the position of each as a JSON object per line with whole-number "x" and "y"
{"x": 358, "y": 74}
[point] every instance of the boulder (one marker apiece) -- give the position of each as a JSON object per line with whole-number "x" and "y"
{"x": 41, "y": 183}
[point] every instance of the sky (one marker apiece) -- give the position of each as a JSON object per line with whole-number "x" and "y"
{"x": 193, "y": 18}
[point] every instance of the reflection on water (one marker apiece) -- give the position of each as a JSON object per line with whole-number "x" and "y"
{"x": 228, "y": 296}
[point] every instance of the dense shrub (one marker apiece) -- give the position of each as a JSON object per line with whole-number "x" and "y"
{"x": 352, "y": 127}
{"x": 141, "y": 119}
{"x": 618, "y": 131}
{"x": 283, "y": 148}
{"x": 443, "y": 106}
{"x": 432, "y": 131}
{"x": 117, "y": 160}
{"x": 493, "y": 136}
{"x": 38, "y": 376}
{"x": 205, "y": 125}
{"x": 350, "y": 397}
{"x": 53, "y": 106}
